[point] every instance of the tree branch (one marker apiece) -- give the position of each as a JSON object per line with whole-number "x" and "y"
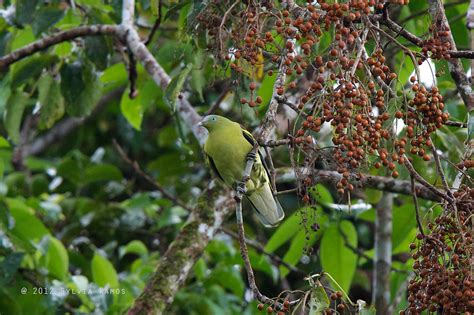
{"x": 81, "y": 31}
{"x": 287, "y": 175}
{"x": 173, "y": 268}
{"x": 455, "y": 66}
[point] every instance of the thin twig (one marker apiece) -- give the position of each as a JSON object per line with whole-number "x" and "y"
{"x": 157, "y": 24}
{"x": 141, "y": 174}
{"x": 277, "y": 143}
{"x": 271, "y": 168}
{"x": 415, "y": 201}
{"x": 132, "y": 75}
{"x": 218, "y": 102}
{"x": 440, "y": 171}
{"x": 422, "y": 181}
{"x": 221, "y": 26}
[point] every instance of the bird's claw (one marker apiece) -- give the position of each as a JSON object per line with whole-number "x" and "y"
{"x": 240, "y": 187}
{"x": 251, "y": 156}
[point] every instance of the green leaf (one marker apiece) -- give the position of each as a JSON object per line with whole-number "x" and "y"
{"x": 21, "y": 38}
{"x": 14, "y": 112}
{"x": 403, "y": 222}
{"x": 27, "y": 226}
{"x": 25, "y": 9}
{"x": 103, "y": 272}
{"x": 230, "y": 278}
{"x": 132, "y": 109}
{"x": 97, "y": 50}
{"x": 4, "y": 143}
{"x": 56, "y": 259}
{"x": 9, "y": 305}
{"x": 5, "y": 92}
{"x": 80, "y": 87}
{"x": 51, "y": 101}
{"x": 30, "y": 68}
{"x": 134, "y": 247}
{"x": 294, "y": 253}
{"x": 266, "y": 89}
{"x": 44, "y": 18}
{"x": 176, "y": 85}
{"x": 319, "y": 301}
{"x": 283, "y": 233}
{"x": 321, "y": 194}
{"x": 8, "y": 267}
{"x": 336, "y": 259}
{"x": 154, "y": 7}
{"x": 102, "y": 172}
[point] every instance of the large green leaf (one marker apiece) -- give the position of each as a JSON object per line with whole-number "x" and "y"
{"x": 403, "y": 221}
{"x": 284, "y": 232}
{"x": 8, "y": 266}
{"x": 295, "y": 251}
{"x": 44, "y": 18}
{"x": 97, "y": 50}
{"x": 102, "y": 172}
{"x": 103, "y": 272}
{"x": 336, "y": 259}
{"x": 56, "y": 259}
{"x": 51, "y": 101}
{"x": 27, "y": 226}
{"x": 25, "y": 9}
{"x": 176, "y": 85}
{"x": 132, "y": 109}
{"x": 14, "y": 113}
{"x": 30, "y": 68}
{"x": 134, "y": 247}
{"x": 81, "y": 88}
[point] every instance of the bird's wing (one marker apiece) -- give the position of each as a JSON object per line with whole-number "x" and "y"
{"x": 213, "y": 167}
{"x": 249, "y": 137}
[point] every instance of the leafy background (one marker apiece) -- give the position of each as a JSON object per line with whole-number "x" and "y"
{"x": 73, "y": 216}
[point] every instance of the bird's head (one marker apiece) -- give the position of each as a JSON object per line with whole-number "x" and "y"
{"x": 212, "y": 122}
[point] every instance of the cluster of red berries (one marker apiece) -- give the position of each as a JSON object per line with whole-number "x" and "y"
{"x": 438, "y": 46}
{"x": 424, "y": 117}
{"x": 271, "y": 310}
{"x": 443, "y": 262}
{"x": 337, "y": 82}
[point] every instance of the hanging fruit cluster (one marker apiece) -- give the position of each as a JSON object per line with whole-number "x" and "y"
{"x": 425, "y": 116}
{"x": 338, "y": 82}
{"x": 443, "y": 262}
{"x": 438, "y": 45}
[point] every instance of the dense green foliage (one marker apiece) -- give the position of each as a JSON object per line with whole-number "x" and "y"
{"x": 74, "y": 216}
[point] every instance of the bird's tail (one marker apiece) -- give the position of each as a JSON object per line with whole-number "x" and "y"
{"x": 266, "y": 205}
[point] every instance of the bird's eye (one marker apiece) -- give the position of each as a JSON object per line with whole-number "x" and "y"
{"x": 214, "y": 118}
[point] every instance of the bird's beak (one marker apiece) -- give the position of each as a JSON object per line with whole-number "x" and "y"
{"x": 200, "y": 124}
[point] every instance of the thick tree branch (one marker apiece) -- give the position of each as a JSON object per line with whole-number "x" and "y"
{"x": 81, "y": 31}
{"x": 173, "y": 268}
{"x": 287, "y": 175}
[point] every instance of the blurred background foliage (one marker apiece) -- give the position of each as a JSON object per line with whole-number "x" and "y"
{"x": 73, "y": 216}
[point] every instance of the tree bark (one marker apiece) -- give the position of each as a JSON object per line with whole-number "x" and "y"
{"x": 174, "y": 267}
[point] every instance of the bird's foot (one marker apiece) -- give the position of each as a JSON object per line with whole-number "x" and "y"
{"x": 251, "y": 156}
{"x": 240, "y": 187}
